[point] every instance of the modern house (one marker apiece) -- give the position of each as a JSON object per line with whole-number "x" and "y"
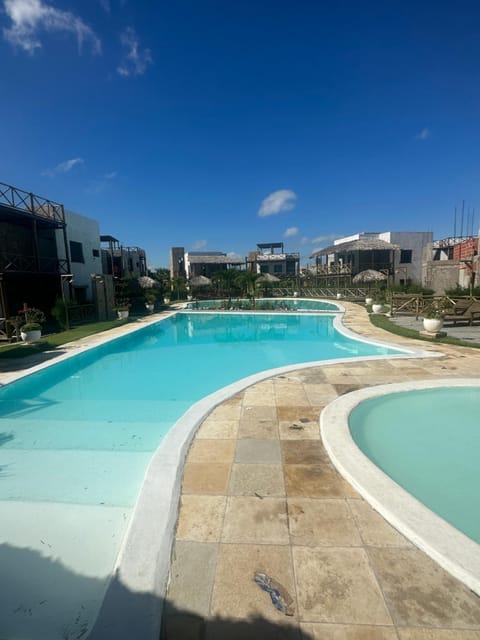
{"x": 83, "y": 236}
{"x": 32, "y": 230}
{"x": 120, "y": 261}
{"x": 191, "y": 264}
{"x": 47, "y": 252}
{"x": 397, "y": 254}
{"x": 270, "y": 257}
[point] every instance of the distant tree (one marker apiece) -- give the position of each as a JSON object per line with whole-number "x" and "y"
{"x": 246, "y": 281}
{"x": 226, "y": 282}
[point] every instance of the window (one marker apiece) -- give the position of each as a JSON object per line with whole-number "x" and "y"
{"x": 264, "y": 268}
{"x": 291, "y": 267}
{"x": 76, "y": 251}
{"x": 95, "y": 253}
{"x": 277, "y": 268}
{"x": 405, "y": 256}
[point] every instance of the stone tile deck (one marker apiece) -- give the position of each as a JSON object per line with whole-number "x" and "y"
{"x": 261, "y": 495}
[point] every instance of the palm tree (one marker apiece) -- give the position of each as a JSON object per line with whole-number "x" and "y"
{"x": 246, "y": 281}
{"x": 225, "y": 281}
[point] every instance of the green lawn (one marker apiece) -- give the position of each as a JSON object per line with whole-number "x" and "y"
{"x": 49, "y": 342}
{"x": 383, "y": 322}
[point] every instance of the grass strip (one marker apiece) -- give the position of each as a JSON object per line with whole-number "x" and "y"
{"x": 383, "y": 322}
{"x": 49, "y": 342}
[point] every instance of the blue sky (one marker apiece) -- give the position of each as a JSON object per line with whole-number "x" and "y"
{"x": 218, "y": 124}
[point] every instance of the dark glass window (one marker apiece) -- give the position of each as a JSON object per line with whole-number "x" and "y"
{"x": 95, "y": 253}
{"x": 76, "y": 251}
{"x": 406, "y": 256}
{"x": 277, "y": 268}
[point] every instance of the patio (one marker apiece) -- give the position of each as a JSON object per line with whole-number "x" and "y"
{"x": 261, "y": 496}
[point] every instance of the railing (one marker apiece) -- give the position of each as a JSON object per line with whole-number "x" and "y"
{"x": 16, "y": 262}
{"x": 82, "y": 313}
{"x": 31, "y": 203}
{"x": 348, "y": 293}
{"x": 417, "y": 304}
{"x": 332, "y": 269}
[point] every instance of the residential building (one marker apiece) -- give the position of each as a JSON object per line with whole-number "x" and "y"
{"x": 177, "y": 262}
{"x": 397, "y": 254}
{"x": 32, "y": 229}
{"x": 270, "y": 257}
{"x": 120, "y": 261}
{"x": 191, "y": 264}
{"x": 83, "y": 242}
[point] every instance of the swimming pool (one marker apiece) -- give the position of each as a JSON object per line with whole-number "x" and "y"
{"x": 428, "y": 442}
{"x": 264, "y": 304}
{"x": 78, "y": 437}
{"x": 411, "y": 450}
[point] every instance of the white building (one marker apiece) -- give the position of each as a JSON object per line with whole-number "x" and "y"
{"x": 409, "y": 256}
{"x": 83, "y": 242}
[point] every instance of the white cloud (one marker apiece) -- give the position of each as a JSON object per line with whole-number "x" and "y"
{"x": 291, "y": 232}
{"x": 97, "y": 186}
{"x": 424, "y": 134}
{"x": 63, "y": 167}
{"x": 281, "y": 200}
{"x": 232, "y": 254}
{"x": 323, "y": 239}
{"x": 135, "y": 60}
{"x": 199, "y": 244}
{"x": 32, "y": 17}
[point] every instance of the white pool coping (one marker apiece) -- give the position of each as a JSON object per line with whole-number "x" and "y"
{"x": 449, "y": 547}
{"x": 143, "y": 563}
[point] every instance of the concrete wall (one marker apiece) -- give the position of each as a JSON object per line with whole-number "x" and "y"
{"x": 441, "y": 275}
{"x": 85, "y": 231}
{"x": 414, "y": 240}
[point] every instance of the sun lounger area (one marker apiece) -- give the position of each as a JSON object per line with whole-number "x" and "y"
{"x": 464, "y": 311}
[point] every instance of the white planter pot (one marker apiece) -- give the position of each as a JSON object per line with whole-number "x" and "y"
{"x": 377, "y": 308}
{"x": 31, "y": 336}
{"x": 189, "y": 298}
{"x": 149, "y": 307}
{"x": 122, "y": 314}
{"x": 166, "y": 300}
{"x": 339, "y": 295}
{"x": 432, "y": 325}
{"x": 368, "y": 300}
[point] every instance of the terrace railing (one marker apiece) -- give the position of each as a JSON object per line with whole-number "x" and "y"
{"x": 26, "y": 202}
{"x": 30, "y": 264}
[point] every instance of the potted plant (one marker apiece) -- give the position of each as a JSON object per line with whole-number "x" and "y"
{"x": 378, "y": 302}
{"x": 123, "y": 309}
{"x": 150, "y": 299}
{"x": 433, "y": 318}
{"x": 31, "y": 329}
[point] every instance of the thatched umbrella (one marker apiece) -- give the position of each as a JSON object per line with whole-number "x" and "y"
{"x": 200, "y": 281}
{"x": 267, "y": 278}
{"x": 369, "y": 275}
{"x": 145, "y": 282}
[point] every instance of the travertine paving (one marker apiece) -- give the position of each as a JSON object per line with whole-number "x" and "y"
{"x": 260, "y": 495}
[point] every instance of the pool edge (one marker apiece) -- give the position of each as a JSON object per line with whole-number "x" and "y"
{"x": 450, "y": 548}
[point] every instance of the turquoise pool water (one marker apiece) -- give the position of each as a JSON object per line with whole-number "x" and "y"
{"x": 107, "y": 410}
{"x": 267, "y": 304}
{"x": 428, "y": 441}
